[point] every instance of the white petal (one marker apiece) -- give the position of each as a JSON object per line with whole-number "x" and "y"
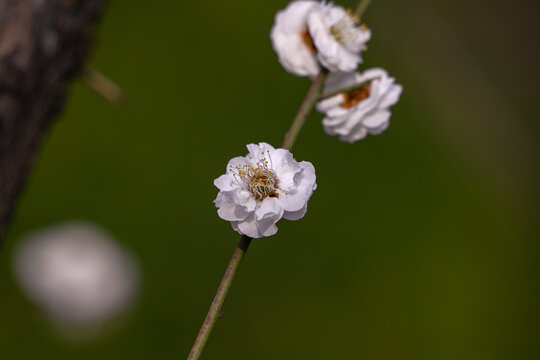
{"x": 337, "y": 120}
{"x": 305, "y": 184}
{"x": 253, "y": 150}
{"x": 285, "y": 168}
{"x": 377, "y": 122}
{"x": 295, "y": 215}
{"x": 286, "y": 35}
{"x": 356, "y": 117}
{"x": 355, "y": 134}
{"x": 258, "y": 151}
{"x": 248, "y": 227}
{"x": 337, "y": 111}
{"x": 339, "y": 59}
{"x": 232, "y": 212}
{"x": 329, "y": 103}
{"x": 266, "y": 147}
{"x": 329, "y": 129}
{"x": 392, "y": 97}
{"x": 226, "y": 182}
{"x": 269, "y": 208}
{"x": 336, "y": 81}
{"x": 228, "y": 210}
{"x": 244, "y": 198}
{"x": 371, "y": 74}
{"x": 267, "y": 223}
{"x": 269, "y": 230}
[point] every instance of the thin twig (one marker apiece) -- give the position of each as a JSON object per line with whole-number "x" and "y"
{"x": 103, "y": 85}
{"x": 304, "y": 111}
{"x": 219, "y": 299}
{"x": 361, "y": 8}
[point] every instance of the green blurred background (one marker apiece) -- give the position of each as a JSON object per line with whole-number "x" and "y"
{"x": 421, "y": 243}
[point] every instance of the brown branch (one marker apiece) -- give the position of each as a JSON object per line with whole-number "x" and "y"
{"x": 43, "y": 46}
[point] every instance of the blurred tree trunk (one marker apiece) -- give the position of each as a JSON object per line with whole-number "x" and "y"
{"x": 43, "y": 46}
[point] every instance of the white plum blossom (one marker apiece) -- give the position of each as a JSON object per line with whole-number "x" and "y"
{"x": 307, "y": 34}
{"x": 363, "y": 110}
{"x": 338, "y": 37}
{"x": 291, "y": 40}
{"x": 259, "y": 189}
{"x": 77, "y": 274}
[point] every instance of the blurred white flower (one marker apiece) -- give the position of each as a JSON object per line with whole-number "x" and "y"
{"x": 353, "y": 114}
{"x": 291, "y": 39}
{"x": 259, "y": 189}
{"x": 77, "y": 274}
{"x": 337, "y": 36}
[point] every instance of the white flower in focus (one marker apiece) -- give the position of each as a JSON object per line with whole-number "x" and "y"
{"x": 77, "y": 274}
{"x": 291, "y": 40}
{"x": 259, "y": 189}
{"x": 338, "y": 37}
{"x": 354, "y": 114}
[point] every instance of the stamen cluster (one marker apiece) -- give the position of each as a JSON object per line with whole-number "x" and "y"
{"x": 259, "y": 181}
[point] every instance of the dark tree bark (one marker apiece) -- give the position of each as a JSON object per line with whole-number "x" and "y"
{"x": 43, "y": 46}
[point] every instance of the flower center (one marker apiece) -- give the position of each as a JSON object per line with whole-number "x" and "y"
{"x": 259, "y": 180}
{"x": 337, "y": 32}
{"x": 308, "y": 40}
{"x": 347, "y": 32}
{"x": 355, "y": 96}
{"x": 262, "y": 184}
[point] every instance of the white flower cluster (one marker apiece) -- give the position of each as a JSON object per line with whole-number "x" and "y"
{"x": 259, "y": 189}
{"x": 310, "y": 35}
